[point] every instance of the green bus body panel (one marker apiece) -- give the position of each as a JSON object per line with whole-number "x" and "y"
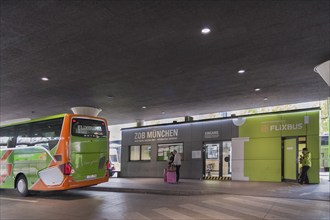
{"x": 290, "y": 163}
{"x": 26, "y": 161}
{"x": 88, "y": 157}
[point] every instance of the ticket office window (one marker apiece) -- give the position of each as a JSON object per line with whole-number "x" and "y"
{"x": 140, "y": 153}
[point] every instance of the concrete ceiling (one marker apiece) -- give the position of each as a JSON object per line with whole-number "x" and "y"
{"x": 152, "y": 53}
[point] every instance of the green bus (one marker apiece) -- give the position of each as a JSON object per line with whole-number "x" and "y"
{"x": 58, "y": 152}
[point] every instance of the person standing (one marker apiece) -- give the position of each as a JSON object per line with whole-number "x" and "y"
{"x": 171, "y": 159}
{"x": 306, "y": 162}
{"x": 177, "y": 164}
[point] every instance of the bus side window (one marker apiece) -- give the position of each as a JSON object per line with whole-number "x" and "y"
{"x": 7, "y": 137}
{"x": 11, "y": 143}
{"x": 23, "y": 135}
{"x": 47, "y": 133}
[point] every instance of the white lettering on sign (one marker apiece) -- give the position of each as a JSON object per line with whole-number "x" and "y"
{"x": 88, "y": 128}
{"x": 269, "y": 126}
{"x": 163, "y": 133}
{"x": 286, "y": 127}
{"x": 211, "y": 134}
{"x": 156, "y": 135}
{"x": 140, "y": 135}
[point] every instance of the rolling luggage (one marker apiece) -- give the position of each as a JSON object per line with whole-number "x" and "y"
{"x": 171, "y": 176}
{"x": 165, "y": 175}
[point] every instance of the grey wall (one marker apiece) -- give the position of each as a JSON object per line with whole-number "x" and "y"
{"x": 192, "y": 135}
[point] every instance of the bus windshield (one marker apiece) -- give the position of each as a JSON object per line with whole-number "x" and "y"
{"x": 88, "y": 128}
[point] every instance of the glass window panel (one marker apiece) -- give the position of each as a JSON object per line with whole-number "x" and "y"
{"x": 324, "y": 140}
{"x": 6, "y": 136}
{"x": 23, "y": 135}
{"x": 145, "y": 152}
{"x": 47, "y": 133}
{"x": 213, "y": 151}
{"x": 135, "y": 153}
{"x": 164, "y": 150}
{"x": 88, "y": 128}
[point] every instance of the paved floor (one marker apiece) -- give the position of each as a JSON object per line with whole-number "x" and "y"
{"x": 82, "y": 204}
{"x": 151, "y": 198}
{"x": 207, "y": 187}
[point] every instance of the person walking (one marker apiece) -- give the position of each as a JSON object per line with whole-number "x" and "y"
{"x": 306, "y": 162}
{"x": 177, "y": 164}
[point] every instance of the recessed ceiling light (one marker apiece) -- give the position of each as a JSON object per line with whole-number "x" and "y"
{"x": 257, "y": 89}
{"x": 265, "y": 99}
{"x": 109, "y": 96}
{"x": 241, "y": 71}
{"x": 206, "y": 30}
{"x": 144, "y": 106}
{"x": 44, "y": 78}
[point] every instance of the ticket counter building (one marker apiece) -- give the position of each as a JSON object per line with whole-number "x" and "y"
{"x": 263, "y": 147}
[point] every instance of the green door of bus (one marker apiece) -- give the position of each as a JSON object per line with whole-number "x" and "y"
{"x": 290, "y": 159}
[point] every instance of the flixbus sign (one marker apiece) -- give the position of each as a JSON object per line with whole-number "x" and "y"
{"x": 286, "y": 124}
{"x": 280, "y": 126}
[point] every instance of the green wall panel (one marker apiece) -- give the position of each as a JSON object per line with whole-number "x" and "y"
{"x": 262, "y": 154}
{"x": 314, "y": 123}
{"x": 261, "y": 126}
{"x": 293, "y": 124}
{"x": 313, "y": 172}
{"x": 263, "y": 149}
{"x": 263, "y": 170}
{"x": 313, "y": 145}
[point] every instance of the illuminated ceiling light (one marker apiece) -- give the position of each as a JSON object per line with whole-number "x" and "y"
{"x": 265, "y": 99}
{"x": 257, "y": 89}
{"x": 144, "y": 107}
{"x": 44, "y": 78}
{"x": 206, "y": 30}
{"x": 241, "y": 71}
{"x": 110, "y": 97}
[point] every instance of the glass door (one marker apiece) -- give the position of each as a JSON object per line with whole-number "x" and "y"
{"x": 226, "y": 159}
{"x": 212, "y": 159}
{"x": 217, "y": 162}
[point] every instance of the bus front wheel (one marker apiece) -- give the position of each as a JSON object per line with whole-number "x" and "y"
{"x": 22, "y": 186}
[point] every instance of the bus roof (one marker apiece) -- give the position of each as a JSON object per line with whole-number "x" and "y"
{"x": 34, "y": 120}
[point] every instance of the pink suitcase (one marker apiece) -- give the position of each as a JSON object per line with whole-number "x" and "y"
{"x": 171, "y": 177}
{"x": 165, "y": 175}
